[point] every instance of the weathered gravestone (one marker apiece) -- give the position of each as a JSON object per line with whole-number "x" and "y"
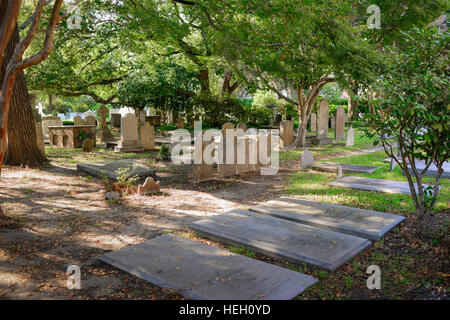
{"x": 242, "y": 125}
{"x": 129, "y": 140}
{"x": 51, "y": 121}
{"x": 91, "y": 120}
{"x": 370, "y": 184}
{"x": 286, "y": 133}
{"x": 282, "y": 239}
{"x": 112, "y": 169}
{"x": 306, "y": 159}
{"x": 339, "y": 133}
{"x": 180, "y": 123}
{"x": 148, "y": 136}
{"x": 228, "y": 125}
{"x": 202, "y": 169}
{"x": 78, "y": 121}
{"x": 115, "y": 119}
{"x": 313, "y": 122}
{"x": 202, "y": 272}
{"x": 149, "y": 187}
{"x": 333, "y": 122}
{"x": 350, "y": 138}
{"x": 88, "y": 145}
{"x": 227, "y": 154}
{"x": 142, "y": 115}
{"x": 322, "y": 123}
{"x": 367, "y": 224}
{"x": 40, "y": 137}
{"x": 347, "y": 168}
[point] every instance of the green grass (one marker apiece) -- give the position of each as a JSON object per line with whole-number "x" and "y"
{"x": 314, "y": 186}
{"x": 361, "y": 142}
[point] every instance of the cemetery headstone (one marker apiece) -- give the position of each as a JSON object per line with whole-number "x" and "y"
{"x": 142, "y": 115}
{"x": 50, "y": 121}
{"x": 129, "y": 140}
{"x": 40, "y": 137}
{"x": 333, "y": 122}
{"x": 180, "y": 123}
{"x": 228, "y": 125}
{"x": 88, "y": 145}
{"x": 350, "y": 138}
{"x": 339, "y": 133}
{"x": 202, "y": 170}
{"x": 91, "y": 120}
{"x": 115, "y": 119}
{"x": 306, "y": 159}
{"x": 242, "y": 125}
{"x": 313, "y": 122}
{"x": 322, "y": 123}
{"x": 227, "y": 158}
{"x": 148, "y": 136}
{"x": 78, "y": 121}
{"x": 149, "y": 187}
{"x": 286, "y": 133}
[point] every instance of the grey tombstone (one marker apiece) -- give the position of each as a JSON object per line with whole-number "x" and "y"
{"x": 91, "y": 120}
{"x": 148, "y": 136}
{"x": 339, "y": 133}
{"x": 142, "y": 115}
{"x": 40, "y": 137}
{"x": 282, "y": 239}
{"x": 346, "y": 168}
{"x": 333, "y": 122}
{"x": 115, "y": 119}
{"x": 242, "y": 125}
{"x": 286, "y": 133}
{"x": 306, "y": 159}
{"x": 322, "y": 123}
{"x": 202, "y": 170}
{"x": 367, "y": 224}
{"x": 109, "y": 169}
{"x": 339, "y": 172}
{"x": 78, "y": 121}
{"x": 129, "y": 140}
{"x": 50, "y": 122}
{"x": 350, "y": 137}
{"x": 370, "y": 184}
{"x": 202, "y": 272}
{"x": 226, "y": 167}
{"x": 313, "y": 122}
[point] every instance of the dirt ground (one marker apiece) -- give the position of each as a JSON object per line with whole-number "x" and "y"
{"x": 60, "y": 218}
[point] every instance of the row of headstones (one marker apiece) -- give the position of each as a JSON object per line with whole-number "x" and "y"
{"x": 320, "y": 123}
{"x": 129, "y": 135}
{"x": 251, "y": 161}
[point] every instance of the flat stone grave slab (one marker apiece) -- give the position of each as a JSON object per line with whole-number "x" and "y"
{"x": 283, "y": 239}
{"x": 370, "y": 184}
{"x": 202, "y": 272}
{"x": 432, "y": 170}
{"x": 367, "y": 224}
{"x": 109, "y": 169}
{"x": 346, "y": 168}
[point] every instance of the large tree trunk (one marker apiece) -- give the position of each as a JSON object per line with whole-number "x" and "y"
{"x": 22, "y": 145}
{"x": 227, "y": 87}
{"x": 203, "y": 77}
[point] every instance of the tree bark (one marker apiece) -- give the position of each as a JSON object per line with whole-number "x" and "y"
{"x": 227, "y": 87}
{"x": 22, "y": 145}
{"x": 203, "y": 77}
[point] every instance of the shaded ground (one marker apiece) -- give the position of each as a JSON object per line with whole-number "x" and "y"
{"x": 60, "y": 218}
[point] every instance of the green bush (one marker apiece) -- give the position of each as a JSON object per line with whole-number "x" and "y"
{"x": 68, "y": 122}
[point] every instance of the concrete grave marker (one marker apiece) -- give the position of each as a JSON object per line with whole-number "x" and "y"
{"x": 313, "y": 122}
{"x": 148, "y": 136}
{"x": 322, "y": 123}
{"x": 88, "y": 145}
{"x": 129, "y": 141}
{"x": 350, "y": 137}
{"x": 40, "y": 137}
{"x": 306, "y": 159}
{"x": 286, "y": 133}
{"x": 346, "y": 168}
{"x": 242, "y": 125}
{"x": 370, "y": 184}
{"x": 367, "y": 224}
{"x": 149, "y": 187}
{"x": 109, "y": 169}
{"x": 279, "y": 238}
{"x": 227, "y": 158}
{"x": 339, "y": 133}
{"x": 91, "y": 120}
{"x": 115, "y": 119}
{"x": 202, "y": 170}
{"x": 202, "y": 272}
{"x": 78, "y": 121}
